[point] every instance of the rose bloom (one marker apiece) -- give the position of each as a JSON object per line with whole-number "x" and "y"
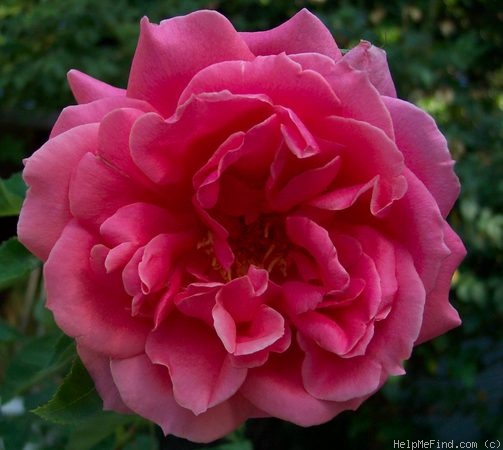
{"x": 255, "y": 227}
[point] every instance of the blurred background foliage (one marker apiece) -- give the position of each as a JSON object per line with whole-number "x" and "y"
{"x": 445, "y": 56}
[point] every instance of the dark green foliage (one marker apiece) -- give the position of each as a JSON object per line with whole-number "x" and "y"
{"x": 15, "y": 262}
{"x": 445, "y": 56}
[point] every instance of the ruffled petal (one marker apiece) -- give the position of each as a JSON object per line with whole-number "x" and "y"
{"x": 420, "y": 230}
{"x": 425, "y": 151}
{"x": 47, "y": 173}
{"x": 359, "y": 99}
{"x": 304, "y": 186}
{"x": 114, "y": 148}
{"x": 278, "y": 77}
{"x": 394, "y": 337}
{"x": 98, "y": 313}
{"x": 97, "y": 191}
{"x": 316, "y": 241}
{"x": 372, "y": 60}
{"x": 195, "y": 358}
{"x": 155, "y": 401}
{"x": 303, "y": 33}
{"x": 172, "y": 151}
{"x": 171, "y": 53}
{"x": 278, "y": 389}
{"x": 439, "y": 315}
{"x": 73, "y": 116}
{"x": 140, "y": 222}
{"x": 86, "y": 89}
{"x": 368, "y": 155}
{"x": 329, "y": 377}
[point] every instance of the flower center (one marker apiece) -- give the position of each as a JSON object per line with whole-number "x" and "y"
{"x": 262, "y": 243}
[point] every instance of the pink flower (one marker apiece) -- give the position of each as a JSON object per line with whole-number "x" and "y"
{"x": 254, "y": 227}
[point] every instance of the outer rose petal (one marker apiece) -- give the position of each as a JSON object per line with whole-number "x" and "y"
{"x": 372, "y": 60}
{"x": 86, "y": 89}
{"x": 303, "y": 33}
{"x": 329, "y": 377}
{"x": 359, "y": 99}
{"x": 394, "y": 337}
{"x": 425, "y": 151}
{"x": 420, "y": 230}
{"x": 277, "y": 388}
{"x": 98, "y": 367}
{"x": 194, "y": 358}
{"x": 97, "y": 190}
{"x": 114, "y": 148}
{"x": 170, "y": 54}
{"x": 88, "y": 304}
{"x": 156, "y": 402}
{"x": 75, "y": 115}
{"x": 47, "y": 173}
{"x": 439, "y": 315}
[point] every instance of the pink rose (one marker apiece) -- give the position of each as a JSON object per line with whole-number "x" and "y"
{"x": 254, "y": 227}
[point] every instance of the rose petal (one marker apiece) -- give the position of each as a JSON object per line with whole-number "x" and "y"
{"x": 315, "y": 239}
{"x": 325, "y": 331}
{"x": 160, "y": 259}
{"x": 439, "y": 315}
{"x": 73, "y": 116}
{"x": 286, "y": 396}
{"x": 266, "y": 328}
{"x": 394, "y": 337}
{"x": 249, "y": 289}
{"x": 97, "y": 191}
{"x": 194, "y": 359}
{"x": 98, "y": 311}
{"x": 359, "y": 99}
{"x": 278, "y": 77}
{"x": 114, "y": 148}
{"x": 173, "y": 150}
{"x": 47, "y": 173}
{"x": 301, "y": 297}
{"x": 305, "y": 185}
{"x": 329, "y": 377}
{"x": 372, "y": 60}
{"x": 140, "y": 222}
{"x": 98, "y": 367}
{"x": 381, "y": 251}
{"x": 171, "y": 53}
{"x": 198, "y": 300}
{"x": 155, "y": 401}
{"x": 302, "y": 33}
{"x": 119, "y": 256}
{"x": 425, "y": 151}
{"x": 367, "y": 152}
{"x": 420, "y": 230}
{"x": 86, "y": 89}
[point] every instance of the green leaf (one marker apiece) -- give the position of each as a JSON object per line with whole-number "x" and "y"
{"x": 7, "y": 332}
{"x": 15, "y": 262}
{"x": 93, "y": 431}
{"x": 30, "y": 366}
{"x": 12, "y": 193}
{"x": 63, "y": 350}
{"x": 75, "y": 401}
{"x": 237, "y": 441}
{"x": 241, "y": 445}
